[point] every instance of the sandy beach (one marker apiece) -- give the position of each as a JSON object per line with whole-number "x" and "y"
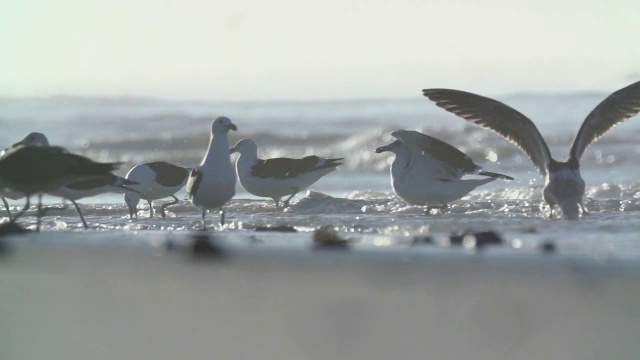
{"x": 148, "y": 296}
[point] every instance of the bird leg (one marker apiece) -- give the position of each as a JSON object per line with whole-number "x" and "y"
{"x": 221, "y": 217}
{"x": 551, "y": 206}
{"x": 286, "y": 202}
{"x": 150, "y": 208}
{"x": 39, "y": 214}
{"x": 84, "y": 223}
{"x": 26, "y": 207}
{"x": 204, "y": 223}
{"x": 441, "y": 207}
{"x": 168, "y": 204}
{"x": 584, "y": 211}
{"x": 6, "y": 206}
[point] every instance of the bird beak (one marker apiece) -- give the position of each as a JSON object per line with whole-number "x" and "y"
{"x": 233, "y": 150}
{"x": 232, "y": 127}
{"x": 382, "y": 149}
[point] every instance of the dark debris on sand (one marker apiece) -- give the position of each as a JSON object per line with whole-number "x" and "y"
{"x": 327, "y": 237}
{"x": 279, "y": 228}
{"x": 476, "y": 240}
{"x": 548, "y": 247}
{"x": 11, "y": 228}
{"x": 422, "y": 240}
{"x": 205, "y": 246}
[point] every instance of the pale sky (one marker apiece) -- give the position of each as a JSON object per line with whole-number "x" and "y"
{"x": 287, "y": 49}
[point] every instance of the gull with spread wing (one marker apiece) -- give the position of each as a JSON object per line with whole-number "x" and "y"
{"x": 563, "y": 183}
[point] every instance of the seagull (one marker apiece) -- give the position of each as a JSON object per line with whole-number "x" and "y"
{"x": 33, "y": 139}
{"x": 213, "y": 183}
{"x": 428, "y": 172}
{"x": 278, "y": 177}
{"x": 76, "y": 190}
{"x": 90, "y": 187}
{"x": 156, "y": 180}
{"x": 564, "y": 185}
{"x": 38, "y": 169}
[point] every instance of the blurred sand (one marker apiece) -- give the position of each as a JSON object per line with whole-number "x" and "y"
{"x": 62, "y": 299}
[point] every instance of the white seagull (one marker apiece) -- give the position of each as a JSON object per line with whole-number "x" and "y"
{"x": 563, "y": 183}
{"x": 278, "y": 177}
{"x": 428, "y": 172}
{"x": 213, "y": 183}
{"x": 155, "y": 180}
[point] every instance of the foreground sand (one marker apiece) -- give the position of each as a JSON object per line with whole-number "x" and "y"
{"x": 65, "y": 298}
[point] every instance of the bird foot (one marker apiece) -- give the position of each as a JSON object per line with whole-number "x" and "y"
{"x": 441, "y": 208}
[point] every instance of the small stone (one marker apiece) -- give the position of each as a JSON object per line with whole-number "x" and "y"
{"x": 547, "y": 247}
{"x": 11, "y": 228}
{"x": 327, "y": 236}
{"x": 476, "y": 240}
{"x": 279, "y": 228}
{"x": 422, "y": 240}
{"x": 204, "y": 246}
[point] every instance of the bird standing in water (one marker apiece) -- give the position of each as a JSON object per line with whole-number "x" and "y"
{"x": 564, "y": 185}
{"x": 213, "y": 183}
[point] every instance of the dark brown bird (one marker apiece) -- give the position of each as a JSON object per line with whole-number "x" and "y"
{"x": 36, "y": 169}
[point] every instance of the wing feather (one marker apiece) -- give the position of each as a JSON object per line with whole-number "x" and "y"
{"x": 282, "y": 168}
{"x": 494, "y": 115}
{"x": 437, "y": 148}
{"x": 616, "y": 108}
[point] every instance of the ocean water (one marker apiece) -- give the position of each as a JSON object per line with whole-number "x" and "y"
{"x": 357, "y": 198}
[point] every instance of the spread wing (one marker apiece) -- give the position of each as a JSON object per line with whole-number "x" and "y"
{"x": 494, "y": 115}
{"x": 618, "y": 107}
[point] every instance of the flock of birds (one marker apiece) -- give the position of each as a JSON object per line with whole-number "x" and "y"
{"x": 425, "y": 172}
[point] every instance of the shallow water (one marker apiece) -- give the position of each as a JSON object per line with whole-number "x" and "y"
{"x": 372, "y": 219}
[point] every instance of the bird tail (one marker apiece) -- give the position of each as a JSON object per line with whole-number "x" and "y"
{"x": 126, "y": 183}
{"x": 494, "y": 175}
{"x": 329, "y": 164}
{"x": 333, "y": 162}
{"x": 101, "y": 168}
